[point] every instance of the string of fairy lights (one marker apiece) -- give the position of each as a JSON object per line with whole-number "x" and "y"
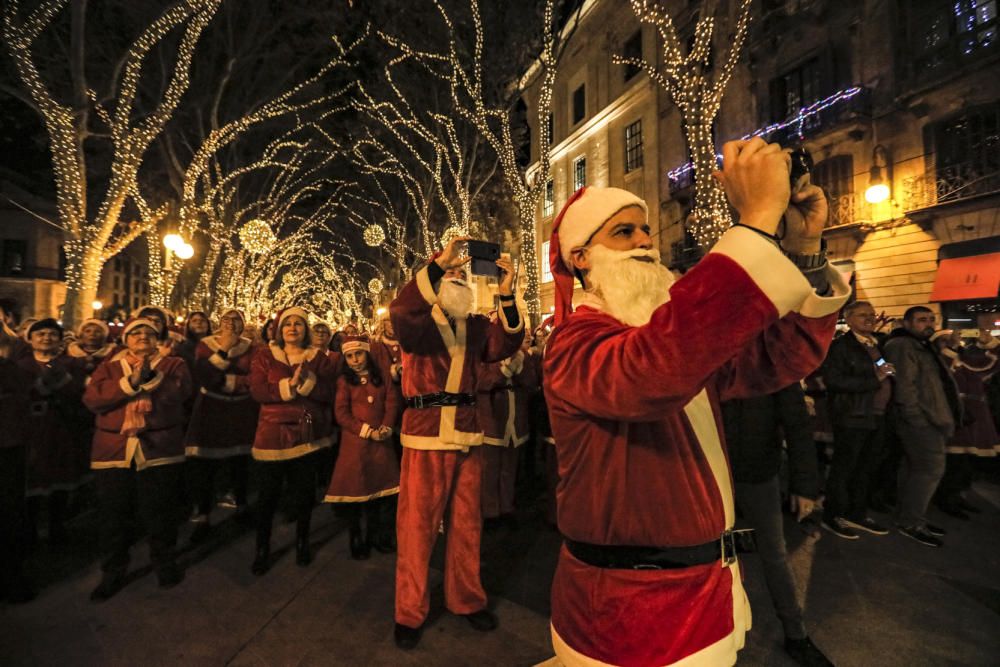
{"x": 696, "y": 88}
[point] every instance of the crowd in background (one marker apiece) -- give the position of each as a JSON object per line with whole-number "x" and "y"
{"x": 892, "y": 423}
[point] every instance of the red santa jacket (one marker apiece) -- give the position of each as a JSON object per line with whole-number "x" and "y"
{"x": 292, "y": 424}
{"x": 636, "y": 420}
{"x": 224, "y": 419}
{"x": 437, "y": 358}
{"x": 107, "y": 394}
{"x": 90, "y": 360}
{"x": 505, "y": 391}
{"x": 363, "y": 408}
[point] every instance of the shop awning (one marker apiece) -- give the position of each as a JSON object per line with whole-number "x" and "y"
{"x": 964, "y": 278}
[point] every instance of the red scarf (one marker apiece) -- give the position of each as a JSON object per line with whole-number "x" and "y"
{"x": 139, "y": 405}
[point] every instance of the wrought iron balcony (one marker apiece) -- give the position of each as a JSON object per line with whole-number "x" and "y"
{"x": 684, "y": 254}
{"x": 952, "y": 184}
{"x": 843, "y": 210}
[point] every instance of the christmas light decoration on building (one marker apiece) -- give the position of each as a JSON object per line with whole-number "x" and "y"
{"x": 257, "y": 236}
{"x": 375, "y": 286}
{"x": 688, "y": 79}
{"x": 374, "y": 235}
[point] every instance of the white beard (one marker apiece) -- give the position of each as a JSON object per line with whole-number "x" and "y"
{"x": 630, "y": 289}
{"x": 455, "y": 298}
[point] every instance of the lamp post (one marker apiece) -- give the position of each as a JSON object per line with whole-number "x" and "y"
{"x": 879, "y": 186}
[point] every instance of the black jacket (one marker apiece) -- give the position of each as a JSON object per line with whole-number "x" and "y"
{"x": 851, "y": 383}
{"x": 754, "y": 428}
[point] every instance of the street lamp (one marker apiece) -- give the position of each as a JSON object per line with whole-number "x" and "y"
{"x": 878, "y": 187}
{"x": 96, "y": 305}
{"x": 173, "y": 241}
{"x": 184, "y": 251}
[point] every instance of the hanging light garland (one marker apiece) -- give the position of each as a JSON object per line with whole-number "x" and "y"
{"x": 374, "y": 235}
{"x": 257, "y": 236}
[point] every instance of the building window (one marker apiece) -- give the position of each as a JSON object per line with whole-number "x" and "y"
{"x": 965, "y": 154}
{"x": 796, "y": 89}
{"x": 579, "y": 104}
{"x": 135, "y": 302}
{"x": 946, "y": 34}
{"x": 632, "y": 49}
{"x": 15, "y": 253}
{"x": 550, "y": 127}
{"x": 544, "y": 261}
{"x": 115, "y": 283}
{"x": 836, "y": 176}
{"x": 549, "y": 202}
{"x": 633, "y": 146}
{"x": 579, "y": 172}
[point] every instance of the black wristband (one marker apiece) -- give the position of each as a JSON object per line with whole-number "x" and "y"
{"x": 774, "y": 238}
{"x": 223, "y": 354}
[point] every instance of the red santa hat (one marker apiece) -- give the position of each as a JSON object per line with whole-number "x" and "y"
{"x": 580, "y": 218}
{"x": 99, "y": 323}
{"x": 236, "y": 312}
{"x": 137, "y": 322}
{"x": 352, "y": 343}
{"x": 288, "y": 312}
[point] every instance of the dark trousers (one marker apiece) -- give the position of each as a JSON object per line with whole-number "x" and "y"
{"x": 957, "y": 479}
{"x": 202, "y": 474}
{"x": 857, "y": 453}
{"x": 760, "y": 505}
{"x": 130, "y": 498}
{"x": 300, "y": 475}
{"x": 920, "y": 471}
{"x": 12, "y": 515}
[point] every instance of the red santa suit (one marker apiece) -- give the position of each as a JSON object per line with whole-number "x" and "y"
{"x": 57, "y": 423}
{"x": 224, "y": 420}
{"x": 90, "y": 360}
{"x": 635, "y": 416}
{"x": 977, "y": 434}
{"x": 441, "y": 466}
{"x": 504, "y": 392}
{"x": 291, "y": 424}
{"x": 366, "y": 469}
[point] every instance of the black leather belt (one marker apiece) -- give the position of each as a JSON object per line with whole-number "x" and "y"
{"x": 440, "y": 399}
{"x": 616, "y": 557}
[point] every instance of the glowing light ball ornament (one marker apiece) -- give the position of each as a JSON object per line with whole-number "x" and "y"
{"x": 257, "y": 236}
{"x": 329, "y": 275}
{"x": 374, "y": 235}
{"x": 451, "y": 232}
{"x": 375, "y": 285}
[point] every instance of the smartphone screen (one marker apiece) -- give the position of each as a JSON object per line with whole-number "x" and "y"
{"x": 880, "y": 362}
{"x": 484, "y": 256}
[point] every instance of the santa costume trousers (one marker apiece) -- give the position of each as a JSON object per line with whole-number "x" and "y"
{"x": 432, "y": 482}
{"x": 499, "y": 480}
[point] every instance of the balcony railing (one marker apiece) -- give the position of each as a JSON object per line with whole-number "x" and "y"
{"x": 843, "y": 210}
{"x": 952, "y": 184}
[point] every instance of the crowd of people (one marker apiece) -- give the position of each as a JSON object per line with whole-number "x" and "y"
{"x": 653, "y": 444}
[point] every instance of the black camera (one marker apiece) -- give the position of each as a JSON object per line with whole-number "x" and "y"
{"x": 801, "y": 168}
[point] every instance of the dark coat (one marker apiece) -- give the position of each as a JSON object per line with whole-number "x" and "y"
{"x": 754, "y": 429}
{"x": 926, "y": 393}
{"x": 851, "y": 383}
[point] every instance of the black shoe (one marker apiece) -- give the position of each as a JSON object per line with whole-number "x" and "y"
{"x": 201, "y": 532}
{"x": 921, "y": 535}
{"x": 839, "y": 527}
{"x": 483, "y": 620}
{"x": 111, "y": 583}
{"x": 965, "y": 505}
{"x": 953, "y": 510}
{"x": 406, "y": 637}
{"x": 936, "y": 531}
{"x": 359, "y": 548}
{"x": 169, "y": 576}
{"x": 804, "y": 652}
{"x": 261, "y": 561}
{"x": 868, "y": 525}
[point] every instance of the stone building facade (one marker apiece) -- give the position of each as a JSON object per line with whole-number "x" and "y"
{"x": 899, "y": 93}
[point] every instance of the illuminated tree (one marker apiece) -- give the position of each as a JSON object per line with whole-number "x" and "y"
{"x": 696, "y": 87}
{"x": 92, "y": 237}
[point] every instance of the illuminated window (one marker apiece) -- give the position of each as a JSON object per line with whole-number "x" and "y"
{"x": 549, "y": 205}
{"x": 544, "y": 261}
{"x": 579, "y": 172}
{"x": 633, "y": 146}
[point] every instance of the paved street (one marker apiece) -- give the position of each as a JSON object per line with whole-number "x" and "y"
{"x": 876, "y": 601}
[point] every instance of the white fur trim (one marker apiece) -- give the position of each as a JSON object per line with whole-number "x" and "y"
{"x": 425, "y": 286}
{"x": 588, "y": 214}
{"x": 815, "y": 305}
{"x": 127, "y": 387}
{"x": 230, "y": 384}
{"x": 506, "y": 325}
{"x": 366, "y": 431}
{"x": 218, "y": 361}
{"x": 285, "y": 389}
{"x": 153, "y": 384}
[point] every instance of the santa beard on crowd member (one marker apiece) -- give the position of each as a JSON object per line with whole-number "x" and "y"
{"x": 455, "y": 298}
{"x": 631, "y": 289}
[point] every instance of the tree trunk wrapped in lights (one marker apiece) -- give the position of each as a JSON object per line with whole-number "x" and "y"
{"x": 697, "y": 91}
{"x": 91, "y": 239}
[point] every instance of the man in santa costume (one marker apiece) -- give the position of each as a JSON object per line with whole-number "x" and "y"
{"x": 648, "y": 573}
{"x": 443, "y": 345}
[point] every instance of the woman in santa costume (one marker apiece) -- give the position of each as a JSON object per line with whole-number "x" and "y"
{"x": 57, "y": 424}
{"x": 443, "y": 344}
{"x": 294, "y": 384}
{"x": 648, "y": 573}
{"x": 138, "y": 396}
{"x": 504, "y": 392}
{"x": 91, "y": 346}
{"x": 367, "y": 472}
{"x": 169, "y": 341}
{"x": 224, "y": 420}
{"x": 196, "y": 327}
